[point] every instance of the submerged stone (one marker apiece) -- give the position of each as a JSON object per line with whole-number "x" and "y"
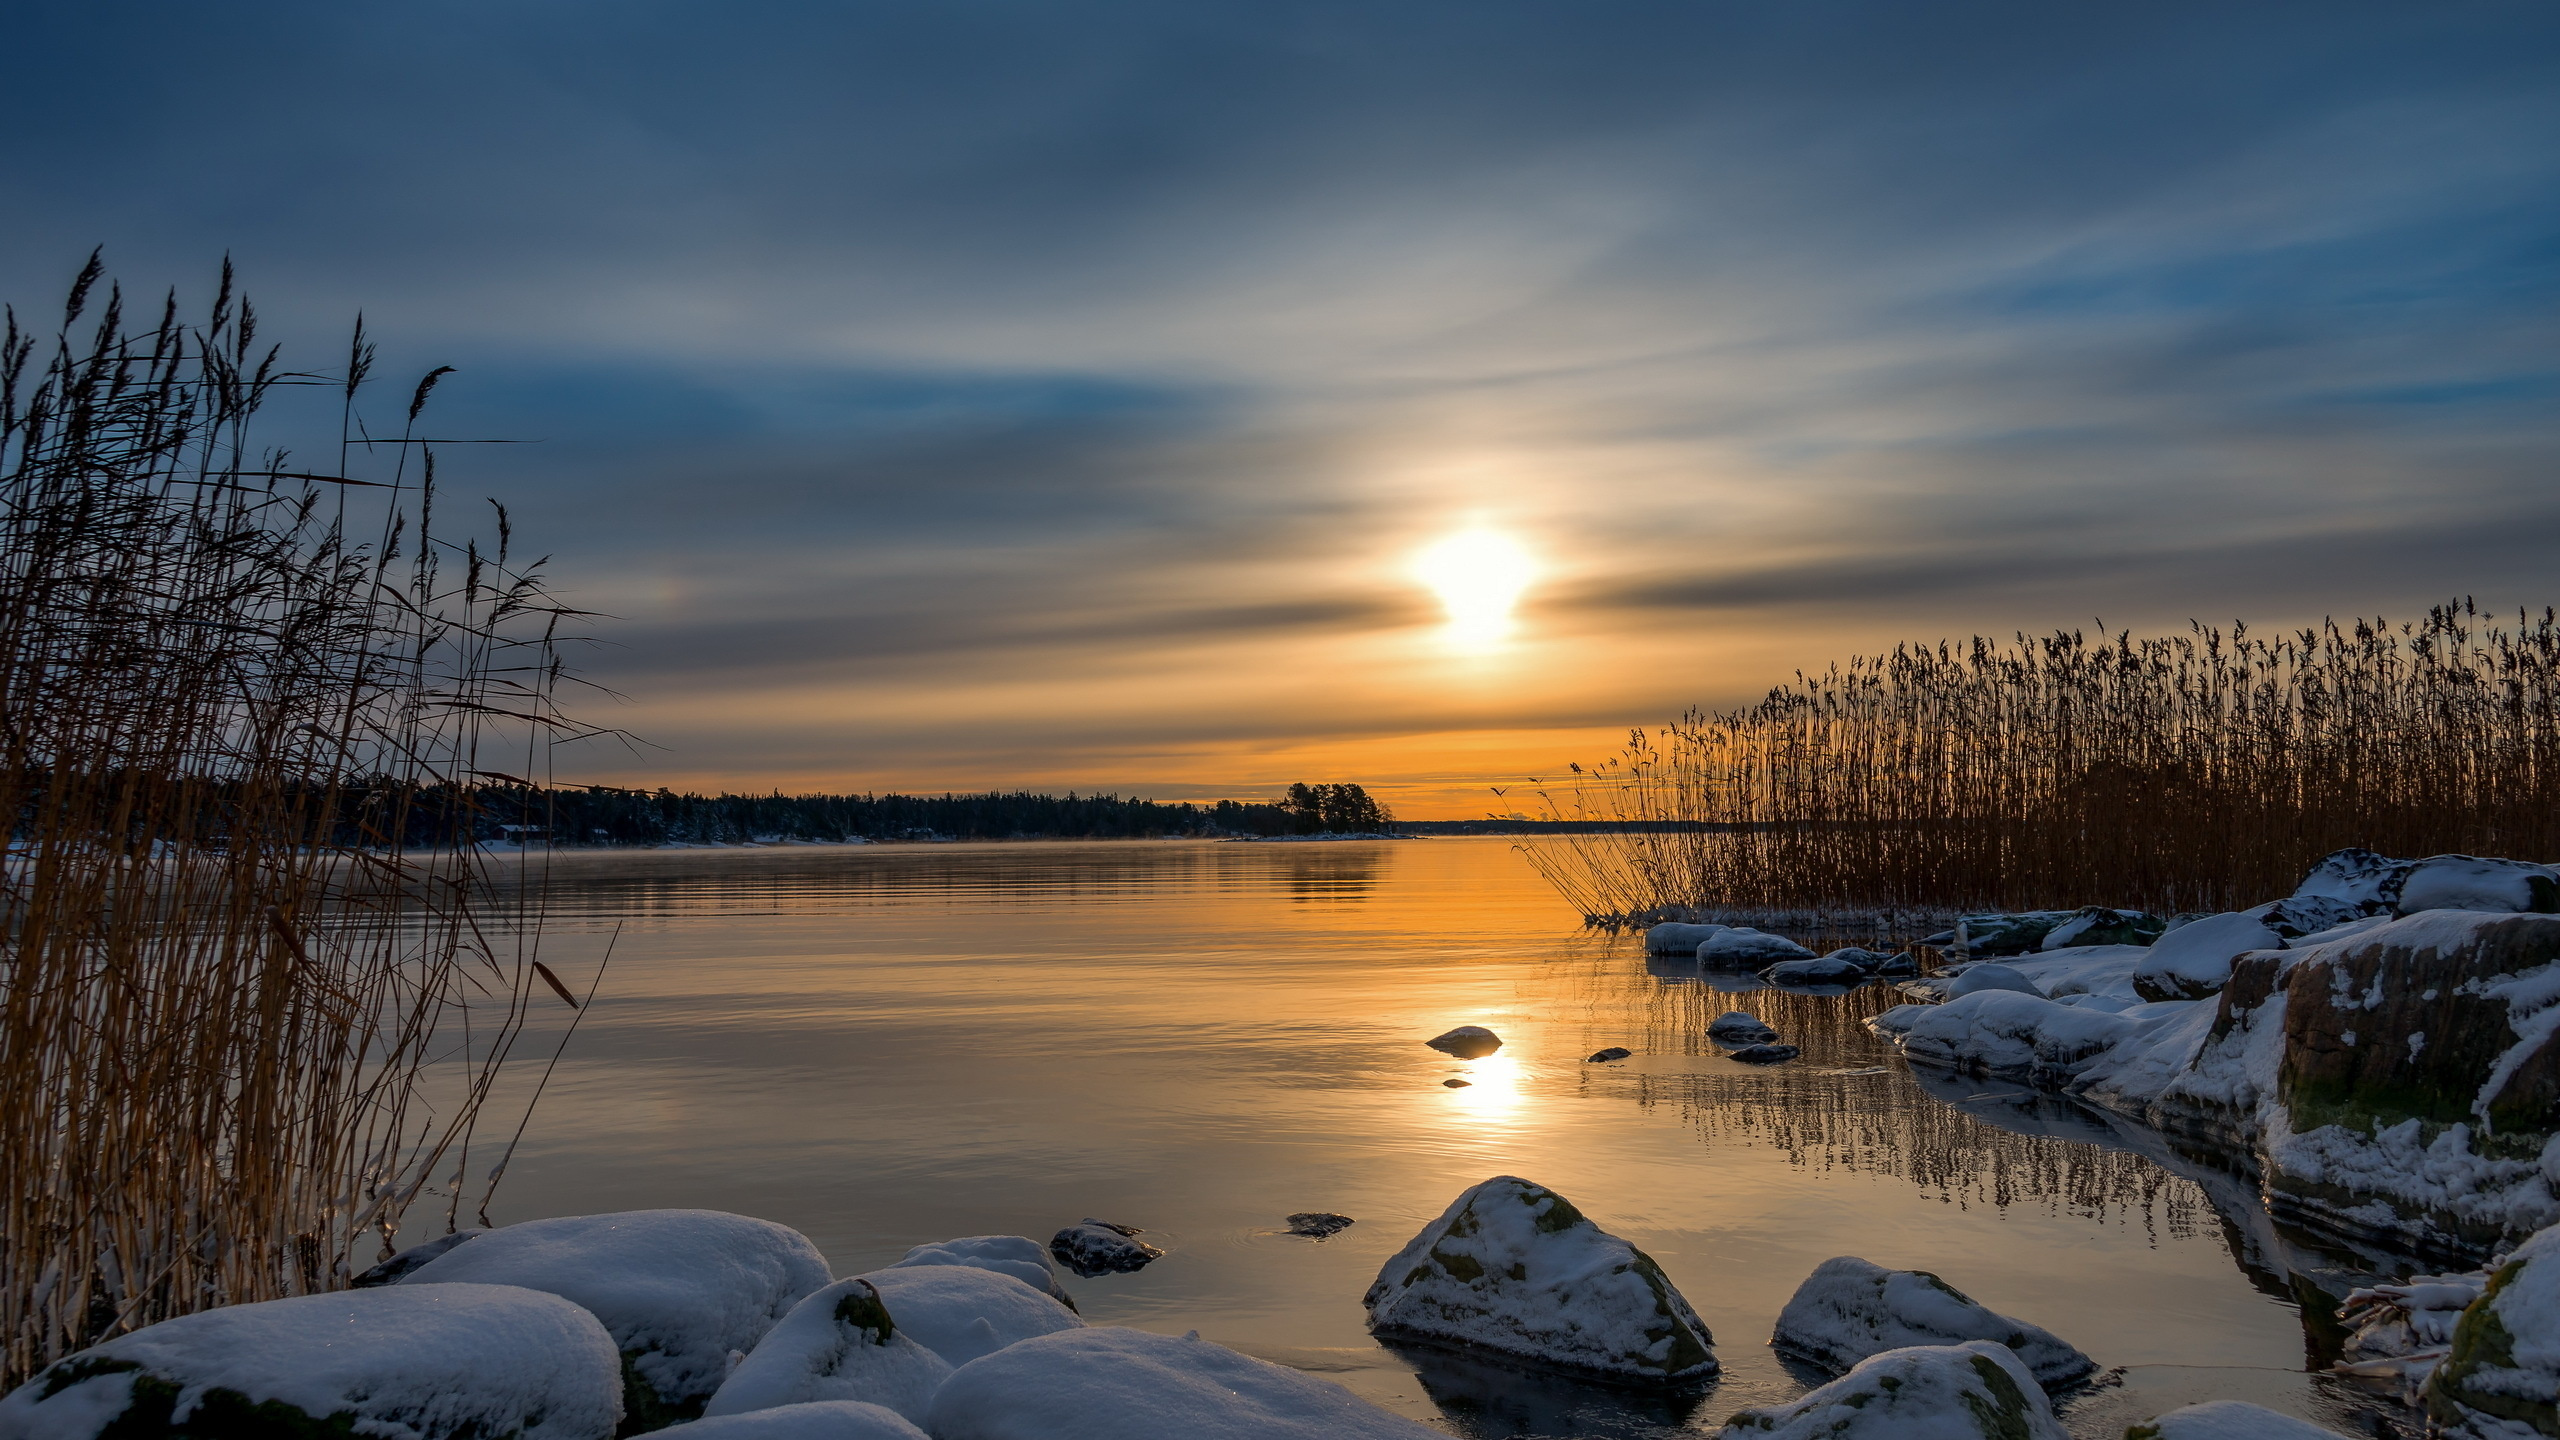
{"x": 1763, "y": 1054}
{"x": 679, "y": 1290}
{"x": 447, "y": 1362}
{"x": 1603, "y": 1057}
{"x": 839, "y": 1344}
{"x": 1098, "y": 1247}
{"x": 1849, "y": 1309}
{"x": 1317, "y": 1224}
{"x": 2501, "y": 1378}
{"x": 1467, "y": 1042}
{"x": 1973, "y": 1391}
{"x": 1512, "y": 1267}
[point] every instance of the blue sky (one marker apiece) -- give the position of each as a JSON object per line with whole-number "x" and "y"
{"x": 1053, "y": 394}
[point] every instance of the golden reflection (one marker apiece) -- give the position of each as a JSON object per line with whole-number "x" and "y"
{"x": 1479, "y": 574}
{"x": 1494, "y": 1090}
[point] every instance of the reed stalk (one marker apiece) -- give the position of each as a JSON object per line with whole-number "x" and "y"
{"x": 250, "y": 1001}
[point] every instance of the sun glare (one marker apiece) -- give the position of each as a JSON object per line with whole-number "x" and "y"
{"x": 1479, "y": 574}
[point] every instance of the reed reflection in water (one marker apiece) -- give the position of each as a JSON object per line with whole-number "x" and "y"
{"x": 884, "y": 1046}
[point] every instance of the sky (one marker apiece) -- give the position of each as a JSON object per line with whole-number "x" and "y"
{"x": 1065, "y": 395}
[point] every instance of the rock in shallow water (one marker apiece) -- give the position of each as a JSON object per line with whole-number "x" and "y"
{"x": 838, "y": 1344}
{"x": 1467, "y": 1042}
{"x": 1973, "y": 1391}
{"x": 1317, "y": 1224}
{"x": 1513, "y": 1267}
{"x": 1106, "y": 1383}
{"x": 679, "y": 1290}
{"x": 1850, "y": 1309}
{"x": 443, "y": 1362}
{"x": 1745, "y": 949}
{"x": 1457, "y": 1084}
{"x": 1824, "y": 971}
{"x": 1098, "y": 1247}
{"x": 1763, "y": 1054}
{"x": 1678, "y": 939}
{"x": 1603, "y": 1057}
{"x": 1736, "y": 1025}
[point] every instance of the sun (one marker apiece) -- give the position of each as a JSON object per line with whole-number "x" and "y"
{"x": 1479, "y": 574}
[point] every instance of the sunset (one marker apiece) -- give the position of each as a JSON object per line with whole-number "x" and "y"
{"x": 1124, "y": 721}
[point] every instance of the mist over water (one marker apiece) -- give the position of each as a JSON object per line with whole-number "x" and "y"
{"x": 887, "y": 1046}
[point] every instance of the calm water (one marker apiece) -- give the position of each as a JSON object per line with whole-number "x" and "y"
{"x": 885, "y": 1046}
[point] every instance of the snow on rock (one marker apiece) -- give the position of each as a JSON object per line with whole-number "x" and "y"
{"x": 1823, "y": 971}
{"x": 2006, "y": 934}
{"x": 452, "y": 1362}
{"x": 2501, "y": 1380}
{"x": 2194, "y": 960}
{"x": 1107, "y": 1383}
{"x": 1513, "y": 1267}
{"x": 2098, "y": 925}
{"x": 1678, "y": 939}
{"x": 1741, "y": 1026}
{"x": 2301, "y": 915}
{"x": 960, "y": 1312}
{"x": 1901, "y": 963}
{"x": 838, "y": 1344}
{"x": 2102, "y": 970}
{"x": 2399, "y": 1332}
{"x": 810, "y": 1420}
{"x": 1893, "y": 1024}
{"x": 2227, "y": 1420}
{"x": 1865, "y": 959}
{"x": 679, "y": 1290}
{"x": 2360, "y": 878}
{"x": 1746, "y": 949}
{"x": 2470, "y": 882}
{"x": 1978, "y": 978}
{"x": 1467, "y": 1042}
{"x": 1097, "y": 1247}
{"x": 1849, "y": 1309}
{"x": 1019, "y": 1256}
{"x": 1973, "y": 1391}
{"x": 413, "y": 1257}
{"x": 2012, "y": 1035}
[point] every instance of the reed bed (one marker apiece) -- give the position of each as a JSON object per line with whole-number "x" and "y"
{"x": 248, "y": 1016}
{"x": 2199, "y": 771}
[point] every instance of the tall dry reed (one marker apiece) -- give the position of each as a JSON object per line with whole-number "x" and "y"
{"x": 230, "y": 972}
{"x": 2200, "y": 771}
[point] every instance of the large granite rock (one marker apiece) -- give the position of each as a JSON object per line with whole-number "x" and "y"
{"x": 2501, "y": 1379}
{"x": 1107, "y": 1383}
{"x": 454, "y": 1362}
{"x": 1512, "y": 1267}
{"x": 960, "y": 1312}
{"x": 1849, "y": 1310}
{"x": 1973, "y": 1391}
{"x": 838, "y": 1344}
{"x": 679, "y": 1290}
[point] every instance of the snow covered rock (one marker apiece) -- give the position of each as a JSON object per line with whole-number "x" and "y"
{"x": 1745, "y": 949}
{"x": 1976, "y": 978}
{"x": 1849, "y": 1309}
{"x": 2399, "y": 1332}
{"x": 1513, "y": 1267}
{"x": 1899, "y": 963}
{"x": 1973, "y": 1391}
{"x": 2098, "y": 925}
{"x": 454, "y": 1362}
{"x": 1107, "y": 1383}
{"x": 2013, "y": 1036}
{"x": 1097, "y": 1247}
{"x": 1678, "y": 939}
{"x": 2006, "y": 934}
{"x": 2360, "y": 878}
{"x": 2227, "y": 1420}
{"x": 1823, "y": 971}
{"x": 1763, "y": 1054}
{"x": 811, "y": 1420}
{"x": 2501, "y": 1379}
{"x": 960, "y": 1312}
{"x": 1467, "y": 1042}
{"x": 1741, "y": 1026}
{"x": 679, "y": 1290}
{"x": 2469, "y": 882}
{"x": 2300, "y": 915}
{"x": 838, "y": 1344}
{"x": 2194, "y": 960}
{"x": 1860, "y": 956}
{"x": 1019, "y": 1256}
{"x": 411, "y": 1258}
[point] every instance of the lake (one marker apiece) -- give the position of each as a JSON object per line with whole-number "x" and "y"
{"x": 888, "y": 1045}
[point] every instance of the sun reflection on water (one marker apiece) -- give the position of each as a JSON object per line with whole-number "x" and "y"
{"x": 1496, "y": 1089}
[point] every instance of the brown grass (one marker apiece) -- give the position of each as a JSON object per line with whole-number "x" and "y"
{"x": 231, "y": 970}
{"x": 2201, "y": 771}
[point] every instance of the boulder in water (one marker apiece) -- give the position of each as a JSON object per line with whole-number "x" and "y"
{"x": 1603, "y": 1057}
{"x": 1973, "y": 1391}
{"x": 1850, "y": 1309}
{"x": 679, "y": 1290}
{"x": 1763, "y": 1054}
{"x": 839, "y": 1344}
{"x": 444, "y": 1362}
{"x": 1675, "y": 938}
{"x": 1738, "y": 1025}
{"x": 960, "y": 1312}
{"x": 1826, "y": 970}
{"x": 1109, "y": 1383}
{"x": 2227, "y": 1420}
{"x": 1098, "y": 1247}
{"x": 1899, "y": 963}
{"x": 1318, "y": 1224}
{"x": 1744, "y": 949}
{"x": 1467, "y": 1042}
{"x": 1512, "y": 1267}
